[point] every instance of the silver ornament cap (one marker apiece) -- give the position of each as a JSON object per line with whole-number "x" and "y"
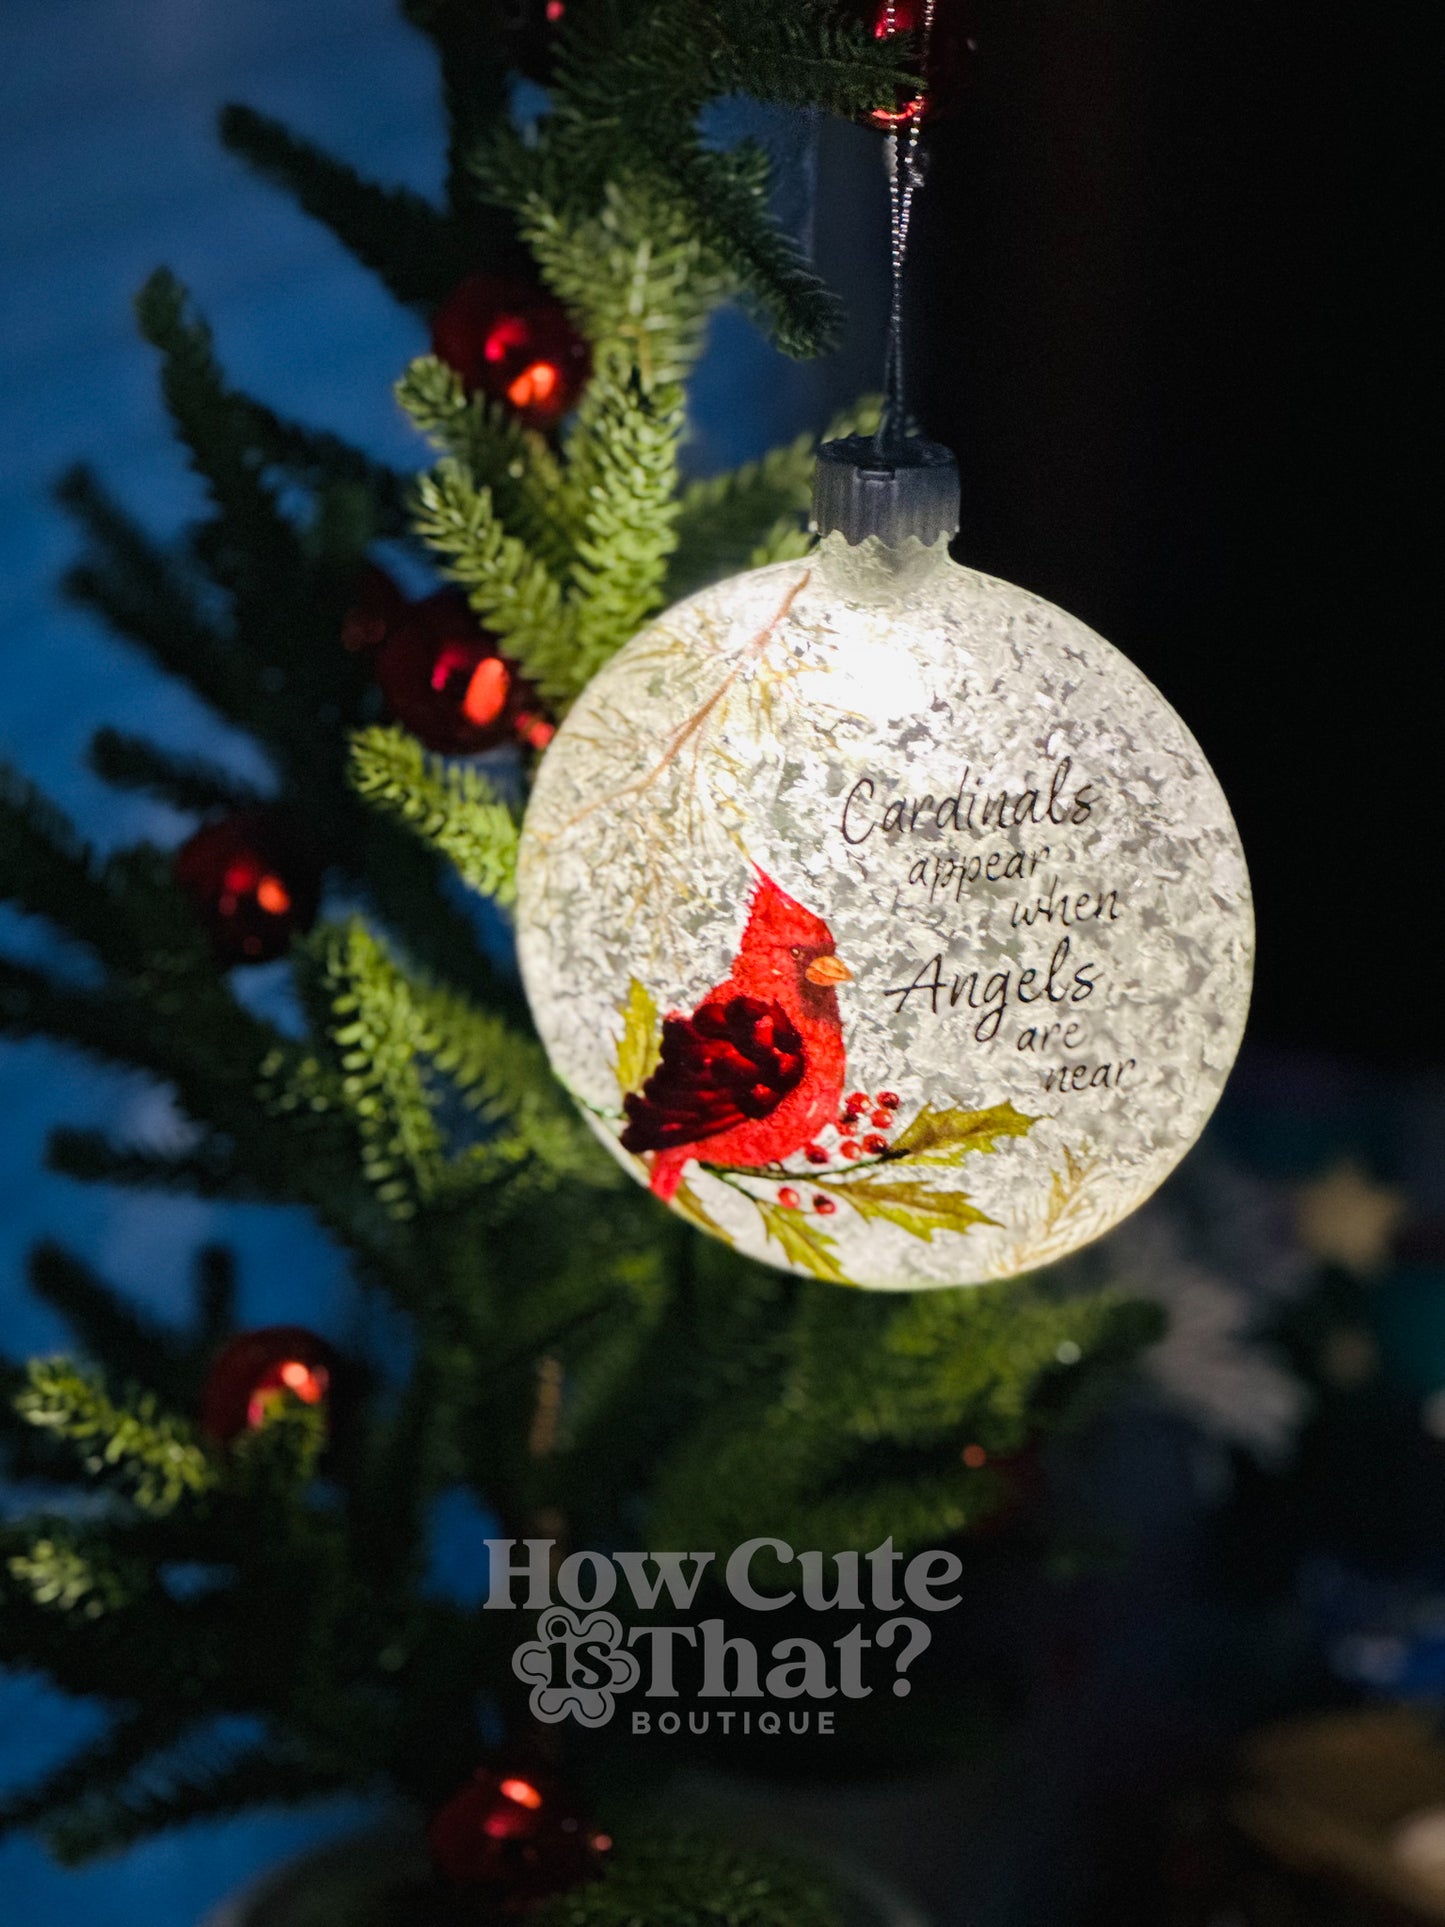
{"x": 894, "y": 490}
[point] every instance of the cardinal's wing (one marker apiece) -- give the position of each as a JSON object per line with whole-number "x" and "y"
{"x": 734, "y": 1060}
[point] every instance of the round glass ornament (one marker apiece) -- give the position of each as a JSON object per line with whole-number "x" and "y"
{"x": 879, "y": 915}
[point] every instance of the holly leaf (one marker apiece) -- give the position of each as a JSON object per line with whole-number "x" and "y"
{"x": 912, "y": 1203}
{"x": 948, "y": 1137}
{"x": 803, "y": 1243}
{"x": 640, "y": 1045}
{"x": 696, "y": 1212}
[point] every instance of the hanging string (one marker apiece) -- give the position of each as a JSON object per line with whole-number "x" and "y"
{"x": 904, "y": 178}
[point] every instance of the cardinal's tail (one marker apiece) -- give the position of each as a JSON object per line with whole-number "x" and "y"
{"x": 667, "y": 1170}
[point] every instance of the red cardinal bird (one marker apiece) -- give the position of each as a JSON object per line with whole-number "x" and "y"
{"x": 756, "y": 1072}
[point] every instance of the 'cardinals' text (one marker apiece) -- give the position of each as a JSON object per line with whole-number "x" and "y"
{"x": 968, "y": 806}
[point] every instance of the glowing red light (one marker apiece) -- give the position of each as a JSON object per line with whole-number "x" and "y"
{"x": 452, "y": 659}
{"x": 524, "y": 1793}
{"x": 487, "y": 691}
{"x": 974, "y": 1456}
{"x": 511, "y": 331}
{"x": 272, "y": 896}
{"x": 535, "y": 386}
{"x": 555, "y": 10}
{"x": 535, "y": 731}
{"x": 309, "y": 1383}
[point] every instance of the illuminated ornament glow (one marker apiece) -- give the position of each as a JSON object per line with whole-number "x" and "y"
{"x": 880, "y": 916}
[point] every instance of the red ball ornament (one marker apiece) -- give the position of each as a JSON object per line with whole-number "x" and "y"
{"x": 445, "y": 678}
{"x": 254, "y": 1371}
{"x": 253, "y": 883}
{"x": 376, "y": 610}
{"x": 516, "y": 1837}
{"x": 511, "y": 340}
{"x": 942, "y": 61}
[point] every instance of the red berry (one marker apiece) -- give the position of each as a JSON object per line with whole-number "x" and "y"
{"x": 873, "y": 1144}
{"x": 824, "y": 1207}
{"x": 858, "y": 1101}
{"x": 889, "y": 1100}
{"x": 789, "y": 1198}
{"x": 883, "y": 1119}
{"x": 815, "y": 1154}
{"x": 849, "y": 1147}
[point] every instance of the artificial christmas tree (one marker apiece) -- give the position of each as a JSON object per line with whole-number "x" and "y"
{"x": 580, "y": 1362}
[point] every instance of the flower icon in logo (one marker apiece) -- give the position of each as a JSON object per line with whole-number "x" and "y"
{"x": 576, "y": 1667}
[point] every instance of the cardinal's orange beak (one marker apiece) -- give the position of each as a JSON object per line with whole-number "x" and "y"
{"x": 827, "y": 970}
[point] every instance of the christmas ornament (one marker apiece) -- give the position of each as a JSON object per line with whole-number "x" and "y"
{"x": 444, "y": 677}
{"x": 881, "y": 917}
{"x": 253, "y": 883}
{"x": 377, "y": 608}
{"x": 942, "y": 49}
{"x": 255, "y": 1371}
{"x": 516, "y": 1837}
{"x": 511, "y": 340}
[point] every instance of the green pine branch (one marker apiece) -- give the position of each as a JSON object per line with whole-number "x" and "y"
{"x": 812, "y": 1458}
{"x": 193, "y": 1782}
{"x": 149, "y": 597}
{"x": 514, "y": 463}
{"x": 727, "y": 196}
{"x": 254, "y": 545}
{"x": 65, "y": 1570}
{"x": 468, "y": 37}
{"x": 417, "y": 252}
{"x": 321, "y": 460}
{"x": 213, "y": 1291}
{"x": 380, "y": 1040}
{"x": 510, "y": 588}
{"x": 150, "y": 1455}
{"x": 633, "y": 271}
{"x": 191, "y": 783}
{"x": 409, "y": 883}
{"x": 451, "y": 806}
{"x": 504, "y": 1079}
{"x": 90, "y": 1776}
{"x": 667, "y": 1875}
{"x": 133, "y": 1348}
{"x": 208, "y": 1170}
{"x": 626, "y": 104}
{"x": 623, "y": 473}
{"x": 46, "y": 868}
{"x": 756, "y": 513}
{"x": 801, "y": 54}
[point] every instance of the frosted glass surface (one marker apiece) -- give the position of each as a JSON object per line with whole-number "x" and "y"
{"x": 1010, "y": 841}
